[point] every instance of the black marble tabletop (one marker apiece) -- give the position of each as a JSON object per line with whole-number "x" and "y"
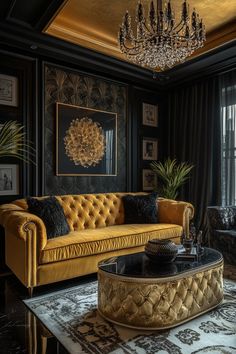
{"x": 138, "y": 265}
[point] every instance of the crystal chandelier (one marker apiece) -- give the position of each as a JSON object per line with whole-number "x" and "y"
{"x": 159, "y": 41}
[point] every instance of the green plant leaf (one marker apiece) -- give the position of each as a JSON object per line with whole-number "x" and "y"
{"x": 171, "y": 176}
{"x": 13, "y": 142}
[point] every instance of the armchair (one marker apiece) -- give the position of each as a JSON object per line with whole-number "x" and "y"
{"x": 222, "y": 227}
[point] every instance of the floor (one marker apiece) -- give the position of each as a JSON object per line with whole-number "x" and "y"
{"x": 19, "y": 328}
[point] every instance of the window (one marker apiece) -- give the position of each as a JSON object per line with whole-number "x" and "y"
{"x": 228, "y": 139}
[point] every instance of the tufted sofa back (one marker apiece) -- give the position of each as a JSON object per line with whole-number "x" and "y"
{"x": 90, "y": 211}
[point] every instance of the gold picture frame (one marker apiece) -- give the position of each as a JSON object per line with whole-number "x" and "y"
{"x": 86, "y": 141}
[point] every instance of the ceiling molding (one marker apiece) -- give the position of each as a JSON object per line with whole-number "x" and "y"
{"x": 215, "y": 39}
{"x": 65, "y": 33}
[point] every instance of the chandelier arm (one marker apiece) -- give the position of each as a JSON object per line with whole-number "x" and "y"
{"x": 134, "y": 48}
{"x": 159, "y": 42}
{"x": 146, "y": 28}
{"x": 181, "y": 25}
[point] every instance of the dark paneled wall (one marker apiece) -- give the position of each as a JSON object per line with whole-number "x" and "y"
{"x": 25, "y": 113}
{"x": 71, "y": 87}
{"x": 40, "y": 89}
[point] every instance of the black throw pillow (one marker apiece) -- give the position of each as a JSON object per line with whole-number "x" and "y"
{"x": 140, "y": 209}
{"x": 52, "y": 214}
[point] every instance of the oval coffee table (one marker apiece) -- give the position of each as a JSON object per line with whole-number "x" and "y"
{"x": 137, "y": 293}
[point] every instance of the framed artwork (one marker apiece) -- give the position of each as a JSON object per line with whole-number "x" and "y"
{"x": 150, "y": 114}
{"x": 149, "y": 180}
{"x": 8, "y": 90}
{"x": 86, "y": 141}
{"x": 9, "y": 179}
{"x": 150, "y": 149}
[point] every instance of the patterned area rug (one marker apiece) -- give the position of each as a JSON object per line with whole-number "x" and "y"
{"x": 72, "y": 317}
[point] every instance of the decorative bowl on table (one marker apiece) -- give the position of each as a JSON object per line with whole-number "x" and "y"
{"x": 161, "y": 251}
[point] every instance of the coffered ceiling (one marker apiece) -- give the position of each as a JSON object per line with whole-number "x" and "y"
{"x": 94, "y": 24}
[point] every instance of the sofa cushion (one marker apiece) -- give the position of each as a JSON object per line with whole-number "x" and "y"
{"x": 86, "y": 242}
{"x": 140, "y": 209}
{"x": 52, "y": 214}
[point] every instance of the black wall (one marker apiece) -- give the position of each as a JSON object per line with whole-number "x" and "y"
{"x": 39, "y": 121}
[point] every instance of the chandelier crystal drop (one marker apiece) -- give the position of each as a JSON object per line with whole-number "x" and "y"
{"x": 159, "y": 41}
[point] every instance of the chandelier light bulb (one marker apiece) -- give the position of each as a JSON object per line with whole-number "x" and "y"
{"x": 158, "y": 41}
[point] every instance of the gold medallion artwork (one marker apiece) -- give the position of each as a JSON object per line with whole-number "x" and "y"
{"x": 85, "y": 142}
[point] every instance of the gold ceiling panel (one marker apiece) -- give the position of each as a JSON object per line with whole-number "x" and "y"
{"x": 94, "y": 24}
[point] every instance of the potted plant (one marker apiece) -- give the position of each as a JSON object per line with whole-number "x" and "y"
{"x": 171, "y": 176}
{"x": 13, "y": 144}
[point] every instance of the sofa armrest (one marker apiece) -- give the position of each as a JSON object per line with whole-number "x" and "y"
{"x": 221, "y": 217}
{"x": 18, "y": 222}
{"x": 175, "y": 212}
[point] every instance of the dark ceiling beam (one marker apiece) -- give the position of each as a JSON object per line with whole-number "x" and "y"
{"x": 6, "y": 8}
{"x": 30, "y": 13}
{"x": 207, "y": 64}
{"x": 48, "y": 15}
{"x": 10, "y": 8}
{"x": 50, "y": 48}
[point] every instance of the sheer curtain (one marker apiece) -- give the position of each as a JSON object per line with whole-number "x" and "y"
{"x": 228, "y": 137}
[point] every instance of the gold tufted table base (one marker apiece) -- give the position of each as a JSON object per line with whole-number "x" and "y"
{"x": 152, "y": 304}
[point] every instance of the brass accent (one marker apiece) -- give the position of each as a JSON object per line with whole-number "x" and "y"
{"x": 31, "y": 255}
{"x": 30, "y": 291}
{"x": 57, "y": 152}
{"x": 84, "y": 142}
{"x": 95, "y": 24}
{"x": 151, "y": 304}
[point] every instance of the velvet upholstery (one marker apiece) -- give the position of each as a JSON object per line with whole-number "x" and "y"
{"x": 97, "y": 231}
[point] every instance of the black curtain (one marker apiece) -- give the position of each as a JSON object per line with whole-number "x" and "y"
{"x": 194, "y": 137}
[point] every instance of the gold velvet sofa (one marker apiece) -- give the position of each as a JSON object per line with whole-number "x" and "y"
{"x": 97, "y": 231}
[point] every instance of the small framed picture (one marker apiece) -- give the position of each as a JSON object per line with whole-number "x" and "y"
{"x": 149, "y": 180}
{"x": 8, "y": 90}
{"x": 150, "y": 114}
{"x": 9, "y": 180}
{"x": 150, "y": 149}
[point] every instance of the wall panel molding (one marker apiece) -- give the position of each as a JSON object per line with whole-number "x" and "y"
{"x": 93, "y": 92}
